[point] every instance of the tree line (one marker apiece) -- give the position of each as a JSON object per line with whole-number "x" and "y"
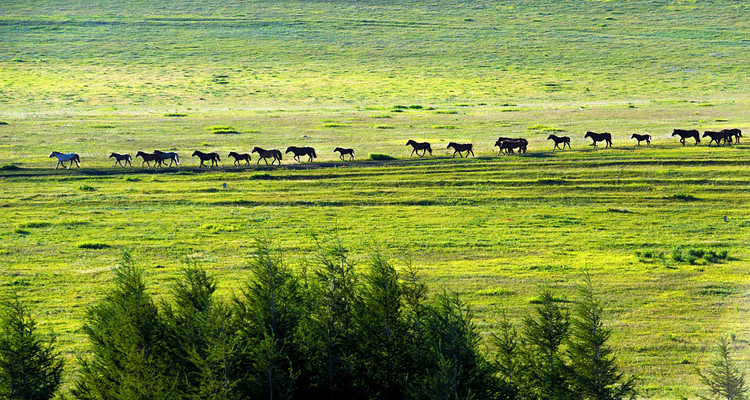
{"x": 325, "y": 331}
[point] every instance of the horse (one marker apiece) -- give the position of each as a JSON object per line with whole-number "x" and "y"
{"x": 119, "y": 158}
{"x": 598, "y": 137}
{"x": 264, "y": 154}
{"x": 342, "y": 152}
{"x": 213, "y": 157}
{"x": 684, "y": 134}
{"x": 62, "y": 157}
{"x": 238, "y": 157}
{"x": 508, "y": 144}
{"x": 564, "y": 140}
{"x": 717, "y": 137}
{"x": 641, "y": 138}
{"x": 424, "y": 146}
{"x": 460, "y": 148}
{"x": 733, "y": 132}
{"x": 148, "y": 157}
{"x": 168, "y": 155}
{"x": 302, "y": 151}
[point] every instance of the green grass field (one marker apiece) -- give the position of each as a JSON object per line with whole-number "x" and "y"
{"x": 93, "y": 78}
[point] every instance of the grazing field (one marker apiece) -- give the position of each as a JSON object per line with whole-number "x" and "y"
{"x": 662, "y": 230}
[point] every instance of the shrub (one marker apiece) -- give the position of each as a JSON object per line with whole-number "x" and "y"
{"x": 86, "y": 188}
{"x": 381, "y": 157}
{"x": 175, "y": 115}
{"x": 92, "y": 245}
{"x": 10, "y": 167}
{"x": 222, "y": 130}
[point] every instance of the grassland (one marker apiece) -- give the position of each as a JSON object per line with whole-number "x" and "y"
{"x": 370, "y": 75}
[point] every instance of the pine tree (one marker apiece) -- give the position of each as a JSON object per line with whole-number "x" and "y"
{"x": 203, "y": 329}
{"x": 268, "y": 313}
{"x": 457, "y": 370}
{"x": 724, "y": 378}
{"x": 382, "y": 332}
{"x": 507, "y": 358}
{"x": 30, "y": 367}
{"x": 593, "y": 363}
{"x": 330, "y": 327}
{"x": 131, "y": 353}
{"x": 545, "y": 333}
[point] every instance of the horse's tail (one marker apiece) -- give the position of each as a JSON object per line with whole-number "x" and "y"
{"x": 217, "y": 157}
{"x": 313, "y": 153}
{"x": 78, "y": 159}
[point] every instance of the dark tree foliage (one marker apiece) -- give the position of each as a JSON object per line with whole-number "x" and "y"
{"x": 545, "y": 333}
{"x": 131, "y": 347}
{"x": 506, "y": 362}
{"x": 329, "y": 329}
{"x": 30, "y": 367}
{"x": 456, "y": 368}
{"x": 594, "y": 366}
{"x": 382, "y": 332}
{"x": 268, "y": 313}
{"x": 204, "y": 336}
{"x": 723, "y": 377}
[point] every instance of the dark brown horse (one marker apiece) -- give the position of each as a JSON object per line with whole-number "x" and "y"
{"x": 600, "y": 137}
{"x": 461, "y": 148}
{"x": 342, "y": 152}
{"x": 417, "y": 146}
{"x": 240, "y": 157}
{"x": 213, "y": 157}
{"x": 302, "y": 151}
{"x": 564, "y": 140}
{"x": 718, "y": 137}
{"x": 641, "y": 138}
{"x": 507, "y": 145}
{"x": 733, "y": 132}
{"x": 264, "y": 154}
{"x": 120, "y": 158}
{"x": 148, "y": 157}
{"x": 684, "y": 134}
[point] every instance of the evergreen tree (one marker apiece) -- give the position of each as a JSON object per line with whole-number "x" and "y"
{"x": 544, "y": 369}
{"x": 205, "y": 334}
{"x": 507, "y": 358}
{"x": 268, "y": 313}
{"x": 593, "y": 364}
{"x": 330, "y": 327}
{"x": 382, "y": 332}
{"x": 457, "y": 369}
{"x": 724, "y": 378}
{"x": 130, "y": 343}
{"x": 30, "y": 367}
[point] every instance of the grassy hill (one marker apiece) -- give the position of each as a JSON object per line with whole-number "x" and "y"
{"x": 95, "y": 77}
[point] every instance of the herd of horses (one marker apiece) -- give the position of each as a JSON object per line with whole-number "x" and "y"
{"x": 506, "y": 145}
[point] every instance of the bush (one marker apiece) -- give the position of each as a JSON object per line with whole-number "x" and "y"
{"x": 222, "y": 130}
{"x": 381, "y": 157}
{"x": 92, "y": 245}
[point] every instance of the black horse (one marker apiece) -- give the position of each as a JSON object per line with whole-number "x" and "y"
{"x": 599, "y": 137}
{"x": 733, "y": 132}
{"x": 684, "y": 134}
{"x": 461, "y": 148}
{"x": 213, "y": 157}
{"x": 417, "y": 146}
{"x": 264, "y": 154}
{"x": 240, "y": 157}
{"x": 641, "y": 138}
{"x": 507, "y": 145}
{"x": 718, "y": 137}
{"x": 564, "y": 140}
{"x": 302, "y": 151}
{"x": 344, "y": 152}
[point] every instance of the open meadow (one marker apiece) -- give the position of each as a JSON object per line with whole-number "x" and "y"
{"x": 663, "y": 231}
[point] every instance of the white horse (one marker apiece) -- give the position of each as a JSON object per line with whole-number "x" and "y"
{"x": 62, "y": 157}
{"x": 169, "y": 155}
